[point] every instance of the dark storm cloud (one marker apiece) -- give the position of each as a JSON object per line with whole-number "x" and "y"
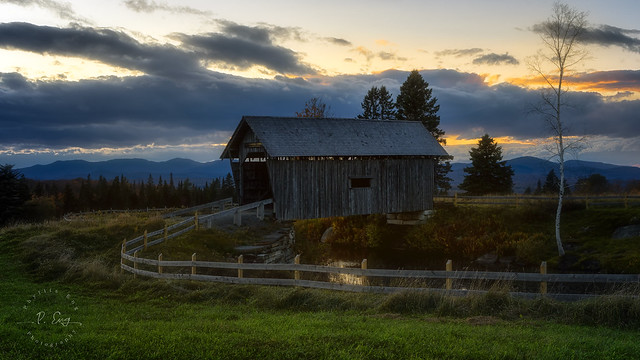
{"x": 247, "y": 47}
{"x": 120, "y": 112}
{"x": 104, "y": 45}
{"x": 63, "y": 10}
{"x": 608, "y": 80}
{"x": 496, "y": 59}
{"x": 243, "y": 53}
{"x": 144, "y": 6}
{"x": 607, "y": 35}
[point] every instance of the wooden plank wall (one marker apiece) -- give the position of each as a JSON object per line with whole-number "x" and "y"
{"x": 310, "y": 188}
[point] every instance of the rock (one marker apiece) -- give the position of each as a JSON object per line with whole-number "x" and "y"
{"x": 591, "y": 265}
{"x": 327, "y": 234}
{"x": 626, "y": 232}
{"x": 507, "y": 260}
{"x": 487, "y": 259}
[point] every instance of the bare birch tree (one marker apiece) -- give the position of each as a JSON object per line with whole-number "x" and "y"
{"x": 560, "y": 35}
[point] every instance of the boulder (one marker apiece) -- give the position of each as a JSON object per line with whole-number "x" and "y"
{"x": 626, "y": 232}
{"x": 487, "y": 259}
{"x": 327, "y": 235}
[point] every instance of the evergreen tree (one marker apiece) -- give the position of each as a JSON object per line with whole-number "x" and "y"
{"x": 488, "y": 174}
{"x": 551, "y": 183}
{"x": 69, "y": 199}
{"x": 378, "y": 104}
{"x": 594, "y": 184}
{"x": 538, "y": 188}
{"x": 14, "y": 192}
{"x": 415, "y": 102}
{"x": 85, "y": 199}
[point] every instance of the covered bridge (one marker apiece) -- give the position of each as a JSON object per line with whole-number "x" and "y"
{"x": 315, "y": 168}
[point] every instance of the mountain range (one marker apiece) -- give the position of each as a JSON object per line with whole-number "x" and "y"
{"x": 133, "y": 169}
{"x": 527, "y": 170}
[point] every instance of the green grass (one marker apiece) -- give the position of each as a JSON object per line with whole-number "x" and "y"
{"x": 125, "y": 318}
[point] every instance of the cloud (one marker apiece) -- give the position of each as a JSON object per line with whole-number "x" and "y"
{"x": 145, "y": 6}
{"x": 240, "y": 47}
{"x": 459, "y": 52}
{"x": 607, "y": 35}
{"x": 139, "y": 111}
{"x": 338, "y": 41}
{"x": 382, "y": 55}
{"x": 615, "y": 80}
{"x": 62, "y": 9}
{"x": 496, "y": 59}
{"x": 243, "y": 53}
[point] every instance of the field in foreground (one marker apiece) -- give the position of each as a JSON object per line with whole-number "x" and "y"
{"x": 124, "y": 317}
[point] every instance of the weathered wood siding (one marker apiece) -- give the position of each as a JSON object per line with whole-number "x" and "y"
{"x": 306, "y": 189}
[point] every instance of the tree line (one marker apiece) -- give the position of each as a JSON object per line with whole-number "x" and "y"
{"x": 30, "y": 200}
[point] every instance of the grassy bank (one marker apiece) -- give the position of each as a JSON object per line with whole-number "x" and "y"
{"x": 524, "y": 235}
{"x": 123, "y": 317}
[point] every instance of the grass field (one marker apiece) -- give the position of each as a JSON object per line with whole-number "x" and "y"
{"x": 126, "y": 318}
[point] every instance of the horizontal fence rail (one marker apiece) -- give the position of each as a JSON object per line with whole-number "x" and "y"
{"x": 190, "y": 223}
{"x": 188, "y": 270}
{"x": 218, "y": 204}
{"x": 625, "y": 201}
{"x": 365, "y": 274}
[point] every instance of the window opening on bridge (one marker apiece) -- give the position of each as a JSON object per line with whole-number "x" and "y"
{"x": 359, "y": 182}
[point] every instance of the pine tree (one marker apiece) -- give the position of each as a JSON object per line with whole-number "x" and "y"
{"x": 14, "y": 192}
{"x": 378, "y": 104}
{"x": 415, "y": 102}
{"x": 488, "y": 174}
{"x": 551, "y": 183}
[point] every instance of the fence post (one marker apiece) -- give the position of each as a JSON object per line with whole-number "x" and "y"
{"x": 193, "y": 266}
{"x": 517, "y": 201}
{"x": 455, "y": 198}
{"x": 124, "y": 250}
{"x": 159, "y": 267}
{"x": 237, "y": 218}
{"x": 260, "y": 211}
{"x": 626, "y": 201}
{"x": 296, "y": 273}
{"x": 240, "y": 261}
{"x": 364, "y": 266}
{"x": 196, "y": 220}
{"x": 145, "y": 239}
{"x": 135, "y": 263}
{"x": 587, "y": 202}
{"x": 449, "y": 281}
{"x": 543, "y": 284}
{"x": 166, "y": 231}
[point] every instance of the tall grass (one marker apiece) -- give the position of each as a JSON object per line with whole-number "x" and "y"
{"x": 86, "y": 254}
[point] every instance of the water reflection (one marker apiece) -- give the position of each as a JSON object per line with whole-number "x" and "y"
{"x": 347, "y": 279}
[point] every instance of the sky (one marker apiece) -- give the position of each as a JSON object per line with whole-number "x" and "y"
{"x": 160, "y": 79}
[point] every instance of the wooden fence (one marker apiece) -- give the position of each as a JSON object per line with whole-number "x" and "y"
{"x": 625, "y": 201}
{"x": 190, "y": 223}
{"x": 360, "y": 279}
{"x": 213, "y": 206}
{"x": 189, "y": 270}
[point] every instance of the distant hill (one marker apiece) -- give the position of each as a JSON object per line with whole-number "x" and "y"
{"x": 133, "y": 169}
{"x": 528, "y": 170}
